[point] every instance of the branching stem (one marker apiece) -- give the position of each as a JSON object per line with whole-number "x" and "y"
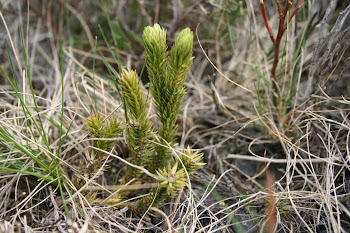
{"x": 262, "y": 6}
{"x": 281, "y": 29}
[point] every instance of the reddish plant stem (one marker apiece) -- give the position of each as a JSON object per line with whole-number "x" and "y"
{"x": 295, "y": 10}
{"x": 277, "y": 44}
{"x": 279, "y": 7}
{"x": 263, "y": 11}
{"x": 281, "y": 29}
{"x": 271, "y": 212}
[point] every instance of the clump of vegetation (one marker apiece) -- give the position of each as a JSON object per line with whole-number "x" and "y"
{"x": 85, "y": 145}
{"x": 283, "y": 91}
{"x": 150, "y": 149}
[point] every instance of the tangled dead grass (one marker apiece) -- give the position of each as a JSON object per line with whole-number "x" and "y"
{"x": 285, "y": 172}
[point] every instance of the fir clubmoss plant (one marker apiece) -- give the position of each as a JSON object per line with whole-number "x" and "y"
{"x": 176, "y": 178}
{"x": 191, "y": 160}
{"x": 100, "y": 130}
{"x": 167, "y": 76}
{"x": 151, "y": 149}
{"x": 139, "y": 128}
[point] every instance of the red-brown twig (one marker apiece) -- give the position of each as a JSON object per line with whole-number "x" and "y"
{"x": 263, "y": 11}
{"x": 281, "y": 29}
{"x": 295, "y": 10}
{"x": 279, "y": 7}
{"x": 271, "y": 213}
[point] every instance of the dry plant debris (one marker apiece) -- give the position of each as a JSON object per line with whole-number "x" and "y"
{"x": 267, "y": 110}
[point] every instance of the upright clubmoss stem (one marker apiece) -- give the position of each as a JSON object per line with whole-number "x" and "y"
{"x": 167, "y": 76}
